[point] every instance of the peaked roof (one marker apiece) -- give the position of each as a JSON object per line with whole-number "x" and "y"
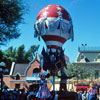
{"x": 19, "y": 68}
{"x": 88, "y": 55}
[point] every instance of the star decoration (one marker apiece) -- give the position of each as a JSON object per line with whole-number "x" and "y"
{"x": 46, "y": 8}
{"x": 45, "y": 13}
{"x": 58, "y": 8}
{"x": 59, "y": 13}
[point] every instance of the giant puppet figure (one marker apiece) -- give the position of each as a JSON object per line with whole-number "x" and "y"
{"x": 54, "y": 25}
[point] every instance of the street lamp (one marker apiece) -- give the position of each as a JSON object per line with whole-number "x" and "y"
{"x": 3, "y": 69}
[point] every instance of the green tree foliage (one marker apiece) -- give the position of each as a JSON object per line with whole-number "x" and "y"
{"x": 10, "y": 54}
{"x": 30, "y": 54}
{"x": 19, "y": 55}
{"x": 26, "y": 56}
{"x": 81, "y": 72}
{"x": 11, "y": 15}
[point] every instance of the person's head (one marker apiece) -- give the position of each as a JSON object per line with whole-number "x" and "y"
{"x": 91, "y": 85}
{"x": 44, "y": 75}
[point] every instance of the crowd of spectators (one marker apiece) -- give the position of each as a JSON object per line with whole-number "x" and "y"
{"x": 13, "y": 94}
{"x": 20, "y": 94}
{"x": 91, "y": 93}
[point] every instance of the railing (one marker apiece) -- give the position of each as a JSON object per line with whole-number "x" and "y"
{"x": 84, "y": 48}
{"x": 86, "y": 82}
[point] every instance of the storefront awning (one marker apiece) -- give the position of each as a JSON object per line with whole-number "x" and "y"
{"x": 81, "y": 87}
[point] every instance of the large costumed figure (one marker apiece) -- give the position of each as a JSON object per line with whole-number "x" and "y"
{"x": 43, "y": 92}
{"x": 54, "y": 26}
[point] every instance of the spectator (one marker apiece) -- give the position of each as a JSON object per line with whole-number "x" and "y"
{"x": 5, "y": 92}
{"x": 79, "y": 95}
{"x": 92, "y": 92}
{"x": 84, "y": 95}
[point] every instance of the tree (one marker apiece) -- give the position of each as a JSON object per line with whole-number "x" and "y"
{"x": 23, "y": 56}
{"x": 10, "y": 54}
{"x": 11, "y": 15}
{"x": 30, "y": 54}
{"x": 80, "y": 71}
{"x": 18, "y": 55}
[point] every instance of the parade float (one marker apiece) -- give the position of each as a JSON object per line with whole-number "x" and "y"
{"x": 54, "y": 25}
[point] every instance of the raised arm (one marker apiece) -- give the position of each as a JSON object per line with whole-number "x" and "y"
{"x": 89, "y": 90}
{"x": 69, "y": 77}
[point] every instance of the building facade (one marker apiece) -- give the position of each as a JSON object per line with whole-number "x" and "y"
{"x": 89, "y": 57}
{"x": 25, "y": 75}
{"x": 22, "y": 75}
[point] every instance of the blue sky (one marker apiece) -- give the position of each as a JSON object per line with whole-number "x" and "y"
{"x": 85, "y": 15}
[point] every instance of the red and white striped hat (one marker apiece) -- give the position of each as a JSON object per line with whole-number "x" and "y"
{"x": 54, "y": 25}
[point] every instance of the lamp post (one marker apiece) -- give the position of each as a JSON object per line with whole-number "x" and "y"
{"x": 3, "y": 69}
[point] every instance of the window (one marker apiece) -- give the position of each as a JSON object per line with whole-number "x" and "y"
{"x": 96, "y": 74}
{"x": 82, "y": 56}
{"x": 17, "y": 77}
{"x": 17, "y": 86}
{"x": 36, "y": 70}
{"x": 99, "y": 56}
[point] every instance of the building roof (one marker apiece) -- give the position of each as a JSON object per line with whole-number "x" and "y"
{"x": 88, "y": 54}
{"x": 19, "y": 69}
